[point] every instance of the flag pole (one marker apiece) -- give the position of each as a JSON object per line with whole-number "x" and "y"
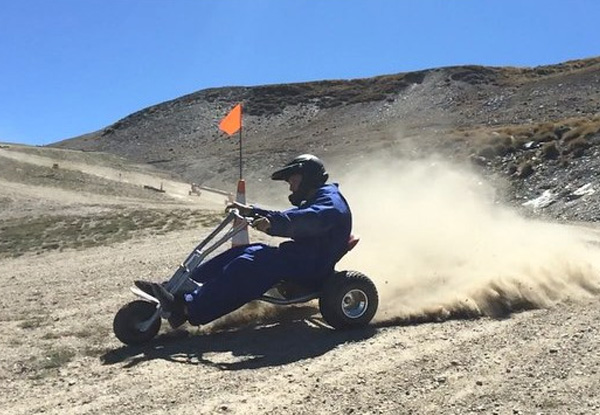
{"x": 241, "y": 176}
{"x": 241, "y": 238}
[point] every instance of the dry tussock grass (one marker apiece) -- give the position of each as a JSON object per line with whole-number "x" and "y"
{"x": 49, "y": 233}
{"x": 565, "y": 137}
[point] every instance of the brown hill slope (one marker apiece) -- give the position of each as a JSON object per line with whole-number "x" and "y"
{"x": 511, "y": 121}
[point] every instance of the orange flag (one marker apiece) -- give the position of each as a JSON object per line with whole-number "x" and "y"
{"x": 232, "y": 123}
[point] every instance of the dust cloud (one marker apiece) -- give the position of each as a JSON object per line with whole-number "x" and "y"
{"x": 439, "y": 246}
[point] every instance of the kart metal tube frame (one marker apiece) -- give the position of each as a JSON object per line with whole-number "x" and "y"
{"x": 197, "y": 256}
{"x": 194, "y": 259}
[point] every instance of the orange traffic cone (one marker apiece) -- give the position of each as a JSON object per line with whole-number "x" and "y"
{"x": 242, "y": 237}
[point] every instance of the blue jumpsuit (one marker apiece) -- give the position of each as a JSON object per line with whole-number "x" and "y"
{"x": 319, "y": 230}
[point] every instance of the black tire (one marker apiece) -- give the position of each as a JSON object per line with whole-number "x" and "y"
{"x": 127, "y": 319}
{"x": 349, "y": 299}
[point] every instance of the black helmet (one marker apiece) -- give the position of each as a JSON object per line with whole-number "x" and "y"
{"x": 313, "y": 176}
{"x": 310, "y": 167}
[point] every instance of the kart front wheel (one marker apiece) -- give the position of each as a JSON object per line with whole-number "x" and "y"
{"x": 349, "y": 299}
{"x": 126, "y": 324}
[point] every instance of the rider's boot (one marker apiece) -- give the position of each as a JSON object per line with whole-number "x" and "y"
{"x": 174, "y": 306}
{"x": 145, "y": 286}
{"x": 178, "y": 315}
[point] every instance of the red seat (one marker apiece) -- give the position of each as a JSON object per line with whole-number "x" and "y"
{"x": 352, "y": 242}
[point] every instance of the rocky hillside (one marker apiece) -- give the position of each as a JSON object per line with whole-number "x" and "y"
{"x": 536, "y": 129}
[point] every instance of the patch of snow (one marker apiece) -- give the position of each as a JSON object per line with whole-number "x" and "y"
{"x": 585, "y": 190}
{"x": 545, "y": 200}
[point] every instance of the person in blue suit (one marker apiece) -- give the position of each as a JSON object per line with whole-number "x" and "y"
{"x": 318, "y": 228}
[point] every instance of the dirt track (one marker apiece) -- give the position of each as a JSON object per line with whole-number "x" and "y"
{"x": 59, "y": 355}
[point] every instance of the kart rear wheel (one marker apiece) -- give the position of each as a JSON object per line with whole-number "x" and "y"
{"x": 128, "y": 318}
{"x": 349, "y": 299}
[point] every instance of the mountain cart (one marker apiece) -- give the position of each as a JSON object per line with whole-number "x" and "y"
{"x": 347, "y": 299}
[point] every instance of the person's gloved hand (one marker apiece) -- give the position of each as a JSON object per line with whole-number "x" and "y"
{"x": 245, "y": 210}
{"x": 262, "y": 224}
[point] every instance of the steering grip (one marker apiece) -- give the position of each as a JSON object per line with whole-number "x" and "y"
{"x": 249, "y": 219}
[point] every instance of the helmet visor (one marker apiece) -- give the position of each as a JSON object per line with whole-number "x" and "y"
{"x": 285, "y": 172}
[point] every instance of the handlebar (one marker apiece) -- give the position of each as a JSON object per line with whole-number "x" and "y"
{"x": 236, "y": 213}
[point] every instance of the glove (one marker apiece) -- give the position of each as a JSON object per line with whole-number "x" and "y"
{"x": 245, "y": 210}
{"x": 261, "y": 224}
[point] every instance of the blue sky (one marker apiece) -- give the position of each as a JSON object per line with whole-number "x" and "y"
{"x": 69, "y": 67}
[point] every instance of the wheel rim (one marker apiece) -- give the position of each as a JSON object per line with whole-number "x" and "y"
{"x": 142, "y": 323}
{"x": 355, "y": 303}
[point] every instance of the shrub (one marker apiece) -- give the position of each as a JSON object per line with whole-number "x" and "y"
{"x": 559, "y": 130}
{"x": 577, "y": 147}
{"x": 550, "y": 151}
{"x": 503, "y": 149}
{"x": 544, "y": 137}
{"x": 487, "y": 152}
{"x": 525, "y": 169}
{"x": 56, "y": 358}
{"x": 500, "y": 139}
{"x": 582, "y": 131}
